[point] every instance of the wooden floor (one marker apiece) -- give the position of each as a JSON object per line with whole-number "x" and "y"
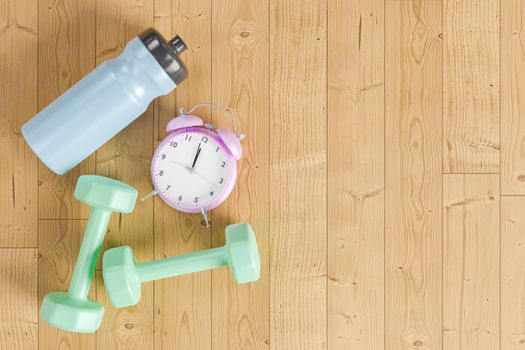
{"x": 384, "y": 173}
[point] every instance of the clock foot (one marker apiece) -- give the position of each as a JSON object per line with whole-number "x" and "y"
{"x": 151, "y": 194}
{"x": 205, "y": 221}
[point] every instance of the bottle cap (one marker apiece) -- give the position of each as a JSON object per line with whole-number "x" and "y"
{"x": 166, "y": 53}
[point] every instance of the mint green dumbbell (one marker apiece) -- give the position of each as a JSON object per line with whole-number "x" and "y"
{"x": 123, "y": 276}
{"x": 73, "y": 311}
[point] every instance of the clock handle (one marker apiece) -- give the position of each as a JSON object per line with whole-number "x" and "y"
{"x": 226, "y": 110}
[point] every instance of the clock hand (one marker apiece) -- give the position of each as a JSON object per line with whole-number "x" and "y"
{"x": 196, "y": 156}
{"x": 205, "y": 179}
{"x": 182, "y": 166}
{"x": 192, "y": 171}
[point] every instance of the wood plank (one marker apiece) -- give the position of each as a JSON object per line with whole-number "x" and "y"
{"x": 471, "y": 268}
{"x": 471, "y": 142}
{"x": 126, "y": 157}
{"x": 240, "y": 81}
{"x": 18, "y": 299}
{"x": 512, "y": 98}
{"x": 183, "y": 304}
{"x": 66, "y": 53}
{"x": 59, "y": 242}
{"x": 18, "y": 90}
{"x": 413, "y": 87}
{"x": 126, "y": 324}
{"x": 512, "y": 273}
{"x": 355, "y": 174}
{"x": 297, "y": 204}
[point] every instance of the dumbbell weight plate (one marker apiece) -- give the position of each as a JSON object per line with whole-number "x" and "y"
{"x": 105, "y": 193}
{"x": 73, "y": 315}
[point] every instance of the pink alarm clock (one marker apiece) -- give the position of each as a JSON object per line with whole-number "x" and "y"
{"x": 194, "y": 168}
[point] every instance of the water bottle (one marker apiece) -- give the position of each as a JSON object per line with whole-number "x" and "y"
{"x": 105, "y": 101}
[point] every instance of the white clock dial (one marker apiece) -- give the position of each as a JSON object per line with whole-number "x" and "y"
{"x": 190, "y": 169}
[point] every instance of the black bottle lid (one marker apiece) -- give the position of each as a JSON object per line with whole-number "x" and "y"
{"x": 166, "y": 53}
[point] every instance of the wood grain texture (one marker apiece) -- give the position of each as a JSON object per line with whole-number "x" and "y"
{"x": 58, "y": 245}
{"x": 471, "y": 115}
{"x": 512, "y": 98}
{"x": 183, "y": 304}
{"x": 126, "y": 328}
{"x": 471, "y": 269}
{"x": 356, "y": 174}
{"x": 355, "y": 114}
{"x": 298, "y": 174}
{"x": 18, "y": 299}
{"x": 18, "y": 102}
{"x": 413, "y": 233}
{"x": 240, "y": 80}
{"x": 182, "y": 314}
{"x": 512, "y": 273}
{"x": 66, "y": 53}
{"x": 126, "y": 157}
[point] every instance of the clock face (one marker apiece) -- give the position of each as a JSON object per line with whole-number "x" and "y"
{"x": 192, "y": 169}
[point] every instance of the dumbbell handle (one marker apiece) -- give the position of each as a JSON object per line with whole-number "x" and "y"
{"x": 182, "y": 264}
{"x": 88, "y": 254}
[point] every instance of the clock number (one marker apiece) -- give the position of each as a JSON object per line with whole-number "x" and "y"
{"x": 196, "y": 200}
{"x": 180, "y": 198}
{"x": 204, "y": 139}
{"x": 172, "y": 144}
{"x": 167, "y": 188}
{"x": 211, "y": 194}
{"x": 161, "y": 172}
{"x": 217, "y": 150}
{"x": 163, "y": 156}
{"x": 223, "y": 164}
{"x": 221, "y": 180}
{"x": 188, "y": 137}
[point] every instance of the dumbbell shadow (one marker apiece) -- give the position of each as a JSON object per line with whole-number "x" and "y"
{"x": 123, "y": 276}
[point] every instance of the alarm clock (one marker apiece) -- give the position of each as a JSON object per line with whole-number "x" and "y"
{"x": 194, "y": 168}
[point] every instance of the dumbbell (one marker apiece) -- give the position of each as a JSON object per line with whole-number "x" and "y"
{"x": 73, "y": 311}
{"x": 123, "y": 276}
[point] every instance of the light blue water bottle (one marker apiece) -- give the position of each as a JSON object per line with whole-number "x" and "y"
{"x": 105, "y": 101}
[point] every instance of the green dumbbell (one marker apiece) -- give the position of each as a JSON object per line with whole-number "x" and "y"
{"x": 123, "y": 277}
{"x": 73, "y": 311}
